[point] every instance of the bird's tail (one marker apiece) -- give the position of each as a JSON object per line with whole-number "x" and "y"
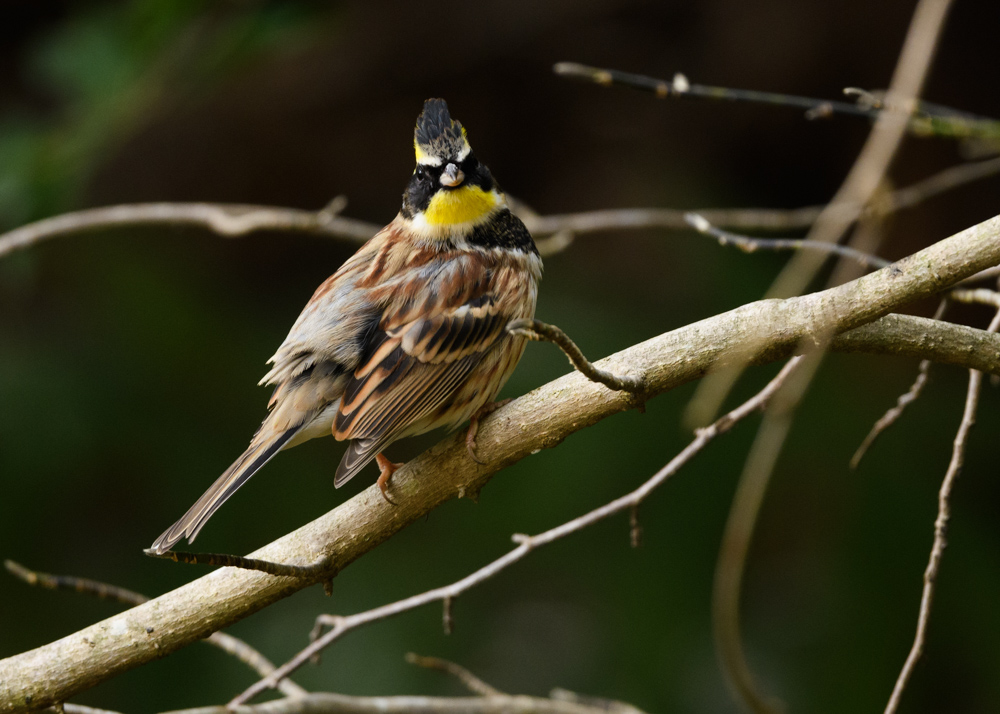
{"x": 262, "y": 449}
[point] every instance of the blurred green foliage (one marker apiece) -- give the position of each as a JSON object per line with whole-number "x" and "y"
{"x": 102, "y": 72}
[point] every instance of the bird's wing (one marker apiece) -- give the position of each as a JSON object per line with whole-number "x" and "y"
{"x": 311, "y": 368}
{"x": 410, "y": 369}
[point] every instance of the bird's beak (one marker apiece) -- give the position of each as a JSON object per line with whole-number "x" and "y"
{"x": 452, "y": 176}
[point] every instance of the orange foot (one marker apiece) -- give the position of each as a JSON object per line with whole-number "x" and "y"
{"x": 387, "y": 468}
{"x": 470, "y": 436}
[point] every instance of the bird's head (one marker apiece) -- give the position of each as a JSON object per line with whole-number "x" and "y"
{"x": 450, "y": 192}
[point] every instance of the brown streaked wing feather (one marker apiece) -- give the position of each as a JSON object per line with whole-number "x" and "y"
{"x": 429, "y": 358}
{"x": 376, "y": 428}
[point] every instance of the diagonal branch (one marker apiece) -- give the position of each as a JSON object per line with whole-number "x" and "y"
{"x": 540, "y": 419}
{"x": 340, "y": 625}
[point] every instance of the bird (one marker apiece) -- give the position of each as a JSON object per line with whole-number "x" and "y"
{"x": 409, "y": 335}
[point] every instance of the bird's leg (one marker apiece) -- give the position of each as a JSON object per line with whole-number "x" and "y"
{"x": 470, "y": 435}
{"x": 387, "y": 469}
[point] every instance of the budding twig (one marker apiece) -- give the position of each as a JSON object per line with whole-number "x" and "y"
{"x": 928, "y": 119}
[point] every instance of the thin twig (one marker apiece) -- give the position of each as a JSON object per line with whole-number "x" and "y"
{"x": 680, "y": 88}
{"x": 928, "y": 120}
{"x": 98, "y": 589}
{"x": 229, "y": 220}
{"x": 340, "y": 625}
{"x": 539, "y": 331}
{"x": 751, "y": 245}
{"x": 229, "y": 644}
{"x": 893, "y": 414}
{"x": 554, "y": 233}
{"x": 946, "y": 180}
{"x": 940, "y": 530}
{"x": 471, "y": 682}
{"x": 601, "y": 704}
{"x": 327, "y": 703}
{"x": 980, "y": 296}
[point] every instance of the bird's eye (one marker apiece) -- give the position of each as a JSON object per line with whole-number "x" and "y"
{"x": 421, "y": 174}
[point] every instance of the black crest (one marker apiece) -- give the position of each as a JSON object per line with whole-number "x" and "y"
{"x": 437, "y": 134}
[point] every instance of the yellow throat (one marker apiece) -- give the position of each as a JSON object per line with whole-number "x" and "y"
{"x": 465, "y": 204}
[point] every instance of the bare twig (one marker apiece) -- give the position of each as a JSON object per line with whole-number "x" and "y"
{"x": 946, "y": 180}
{"x": 679, "y": 87}
{"x": 326, "y": 703}
{"x": 608, "y": 706}
{"x": 893, "y": 414}
{"x": 48, "y": 581}
{"x": 751, "y": 245}
{"x": 229, "y": 220}
{"x": 542, "y": 332}
{"x": 929, "y": 119}
{"x": 980, "y": 296}
{"x": 554, "y": 233}
{"x": 471, "y": 682}
{"x": 225, "y": 642}
{"x": 340, "y": 625}
{"x": 764, "y": 219}
{"x": 940, "y": 530}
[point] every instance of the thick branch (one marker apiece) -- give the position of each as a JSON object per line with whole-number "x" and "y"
{"x": 537, "y": 420}
{"x": 339, "y": 625}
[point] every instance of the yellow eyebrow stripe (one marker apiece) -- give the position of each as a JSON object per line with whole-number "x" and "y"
{"x": 461, "y": 205}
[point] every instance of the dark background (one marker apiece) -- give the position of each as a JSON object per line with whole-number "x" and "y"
{"x": 128, "y": 358}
